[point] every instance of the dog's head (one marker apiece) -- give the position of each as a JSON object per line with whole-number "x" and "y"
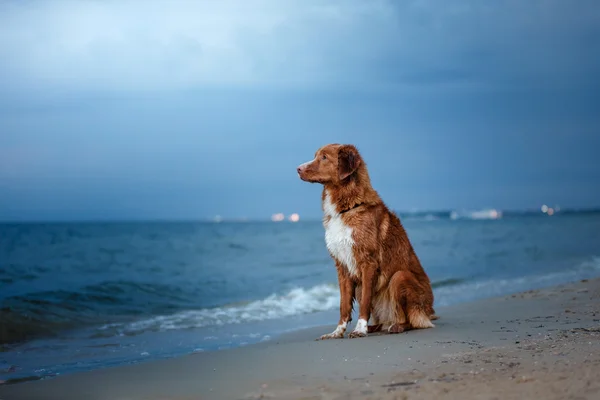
{"x": 333, "y": 164}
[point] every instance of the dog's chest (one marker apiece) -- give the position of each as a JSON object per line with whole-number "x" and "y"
{"x": 338, "y": 237}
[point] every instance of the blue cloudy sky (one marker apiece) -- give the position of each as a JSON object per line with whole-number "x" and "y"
{"x": 179, "y": 109}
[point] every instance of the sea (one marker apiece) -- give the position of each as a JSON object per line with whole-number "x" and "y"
{"x": 83, "y": 296}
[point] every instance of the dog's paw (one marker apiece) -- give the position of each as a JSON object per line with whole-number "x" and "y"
{"x": 332, "y": 335}
{"x": 338, "y": 333}
{"x": 357, "y": 334}
{"x": 360, "y": 330}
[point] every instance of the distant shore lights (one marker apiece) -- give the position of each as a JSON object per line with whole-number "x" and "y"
{"x": 294, "y": 217}
{"x": 277, "y": 217}
{"x": 280, "y": 217}
{"x": 550, "y": 210}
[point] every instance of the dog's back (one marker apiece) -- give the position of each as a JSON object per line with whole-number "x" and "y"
{"x": 411, "y": 286}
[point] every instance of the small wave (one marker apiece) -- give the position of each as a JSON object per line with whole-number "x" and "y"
{"x": 44, "y": 318}
{"x": 326, "y": 297}
{"x": 469, "y": 291}
{"x": 446, "y": 282}
{"x": 48, "y": 313}
{"x": 297, "y": 301}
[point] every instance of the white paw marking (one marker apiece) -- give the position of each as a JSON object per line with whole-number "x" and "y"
{"x": 361, "y": 327}
{"x": 337, "y": 333}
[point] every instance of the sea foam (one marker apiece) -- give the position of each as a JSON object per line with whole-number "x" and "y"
{"x": 325, "y": 297}
{"x": 295, "y": 302}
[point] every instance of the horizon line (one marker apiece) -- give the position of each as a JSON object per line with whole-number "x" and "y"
{"x": 509, "y": 212}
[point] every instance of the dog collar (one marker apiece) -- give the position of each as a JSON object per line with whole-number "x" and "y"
{"x": 352, "y": 208}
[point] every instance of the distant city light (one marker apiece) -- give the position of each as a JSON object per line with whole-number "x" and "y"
{"x": 277, "y": 217}
{"x": 544, "y": 208}
{"x": 550, "y": 211}
{"x": 294, "y": 217}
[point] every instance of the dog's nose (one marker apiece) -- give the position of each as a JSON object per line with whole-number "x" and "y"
{"x": 299, "y": 169}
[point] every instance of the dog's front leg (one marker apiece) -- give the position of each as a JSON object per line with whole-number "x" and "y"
{"x": 364, "y": 303}
{"x": 346, "y": 301}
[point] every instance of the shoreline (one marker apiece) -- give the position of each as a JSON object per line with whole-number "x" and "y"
{"x": 294, "y": 365}
{"x": 150, "y": 346}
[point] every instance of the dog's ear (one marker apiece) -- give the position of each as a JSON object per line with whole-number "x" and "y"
{"x": 348, "y": 161}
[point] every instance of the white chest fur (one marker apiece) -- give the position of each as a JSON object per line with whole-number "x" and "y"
{"x": 338, "y": 236}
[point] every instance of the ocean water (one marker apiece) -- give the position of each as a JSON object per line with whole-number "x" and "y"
{"x": 76, "y": 297}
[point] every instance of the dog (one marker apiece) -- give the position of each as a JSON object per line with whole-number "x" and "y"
{"x": 375, "y": 261}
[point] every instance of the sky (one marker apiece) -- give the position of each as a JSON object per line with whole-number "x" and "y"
{"x": 114, "y": 110}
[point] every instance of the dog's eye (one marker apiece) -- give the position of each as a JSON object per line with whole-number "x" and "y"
{"x": 324, "y": 157}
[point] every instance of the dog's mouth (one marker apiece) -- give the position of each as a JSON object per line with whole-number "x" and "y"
{"x": 302, "y": 178}
{"x": 307, "y": 179}
{"x": 314, "y": 181}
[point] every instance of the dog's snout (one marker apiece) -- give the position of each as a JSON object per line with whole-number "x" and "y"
{"x": 299, "y": 169}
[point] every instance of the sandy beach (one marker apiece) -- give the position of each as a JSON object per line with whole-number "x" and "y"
{"x": 541, "y": 343}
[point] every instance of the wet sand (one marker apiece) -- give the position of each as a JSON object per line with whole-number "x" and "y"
{"x": 541, "y": 343}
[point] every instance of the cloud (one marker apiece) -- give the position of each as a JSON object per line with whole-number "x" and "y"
{"x": 175, "y": 44}
{"x": 130, "y": 45}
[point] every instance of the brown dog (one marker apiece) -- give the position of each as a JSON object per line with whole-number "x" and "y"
{"x": 375, "y": 261}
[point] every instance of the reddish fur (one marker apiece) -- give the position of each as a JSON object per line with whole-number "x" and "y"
{"x": 388, "y": 270}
